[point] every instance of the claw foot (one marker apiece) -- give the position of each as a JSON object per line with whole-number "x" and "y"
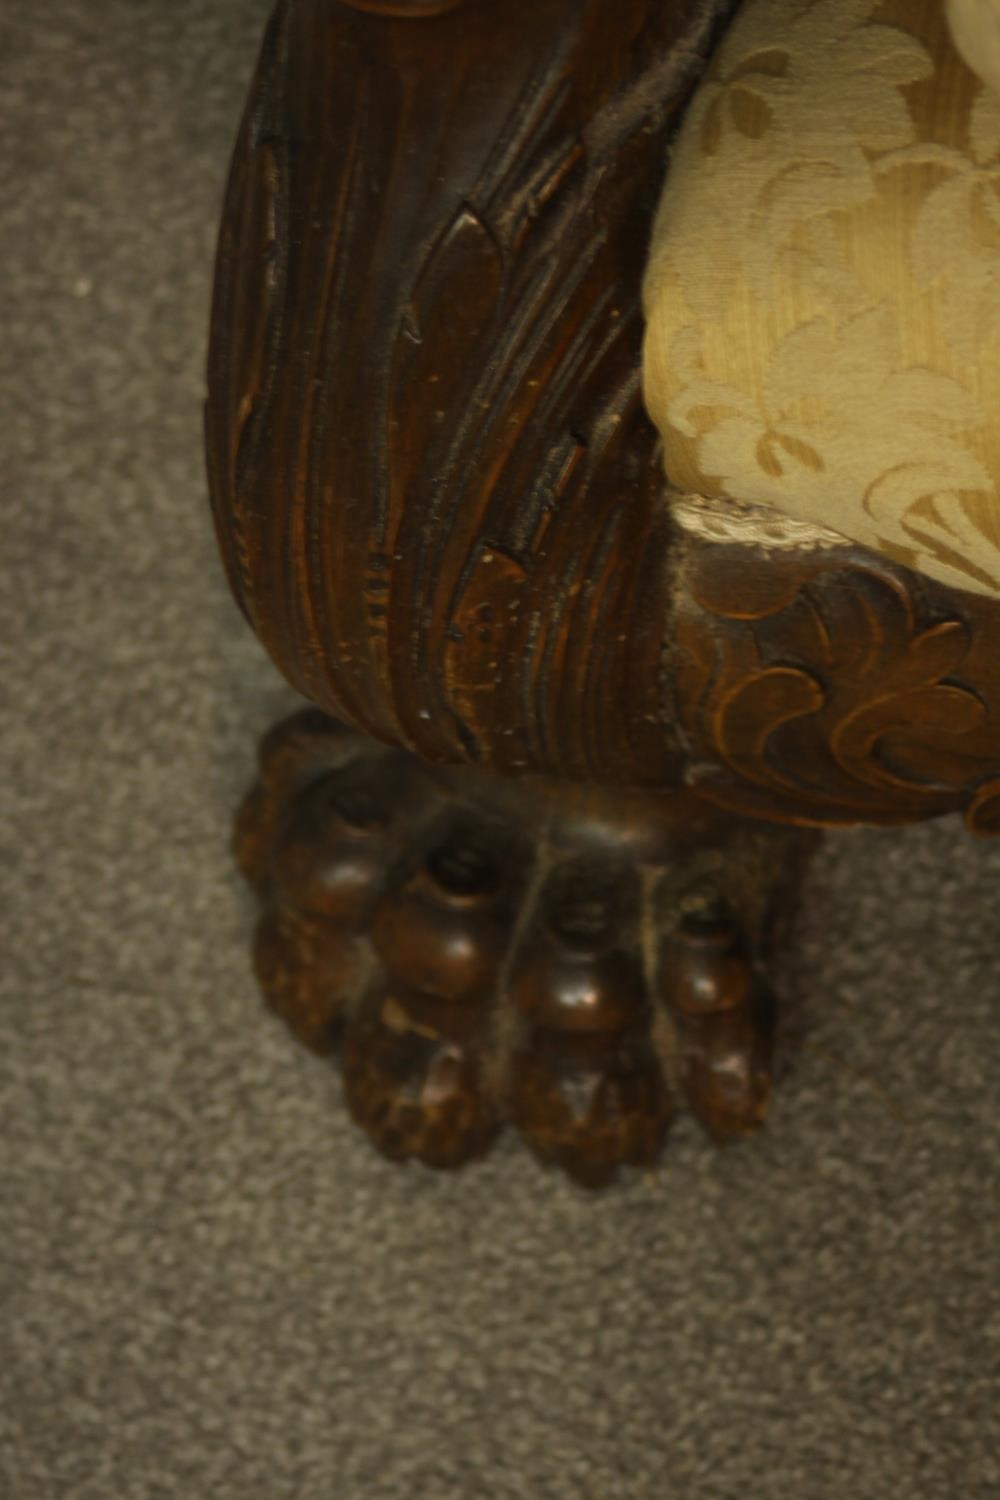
{"x": 578, "y": 963}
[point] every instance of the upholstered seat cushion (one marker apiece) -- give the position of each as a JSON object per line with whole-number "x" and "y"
{"x": 823, "y": 294}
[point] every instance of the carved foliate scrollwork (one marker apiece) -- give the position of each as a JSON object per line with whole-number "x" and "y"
{"x": 834, "y": 687}
{"x": 437, "y": 493}
{"x": 434, "y": 481}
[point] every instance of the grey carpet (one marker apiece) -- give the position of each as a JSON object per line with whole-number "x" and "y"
{"x": 211, "y": 1286}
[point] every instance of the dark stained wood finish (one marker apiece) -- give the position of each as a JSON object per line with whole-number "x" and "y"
{"x": 435, "y": 485}
{"x": 834, "y": 687}
{"x": 436, "y": 490}
{"x": 576, "y": 963}
{"x": 440, "y": 505}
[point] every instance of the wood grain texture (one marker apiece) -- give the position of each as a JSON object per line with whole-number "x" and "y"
{"x": 437, "y": 493}
{"x": 435, "y": 486}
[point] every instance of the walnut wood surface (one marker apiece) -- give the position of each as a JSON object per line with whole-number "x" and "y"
{"x": 435, "y": 485}
{"x": 481, "y": 953}
{"x": 440, "y": 505}
{"x": 835, "y": 687}
{"x": 436, "y": 490}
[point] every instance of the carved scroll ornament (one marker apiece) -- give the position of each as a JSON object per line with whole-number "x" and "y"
{"x": 437, "y": 492}
{"x": 831, "y": 686}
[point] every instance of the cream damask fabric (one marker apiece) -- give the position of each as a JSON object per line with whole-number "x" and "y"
{"x": 975, "y": 30}
{"x": 823, "y": 294}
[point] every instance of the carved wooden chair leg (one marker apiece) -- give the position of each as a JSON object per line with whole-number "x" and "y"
{"x": 523, "y": 862}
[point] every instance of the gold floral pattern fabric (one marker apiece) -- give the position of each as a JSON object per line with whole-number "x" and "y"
{"x": 823, "y": 293}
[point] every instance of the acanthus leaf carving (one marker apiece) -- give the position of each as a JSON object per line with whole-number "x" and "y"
{"x": 856, "y": 698}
